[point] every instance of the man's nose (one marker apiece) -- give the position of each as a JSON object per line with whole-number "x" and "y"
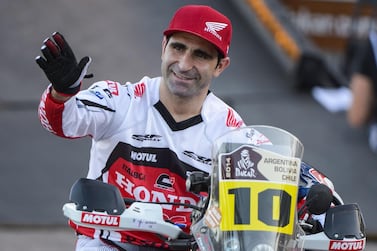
{"x": 186, "y": 62}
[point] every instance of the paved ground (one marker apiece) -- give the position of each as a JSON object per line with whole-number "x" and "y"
{"x": 46, "y": 239}
{"x": 123, "y": 37}
{"x": 57, "y": 239}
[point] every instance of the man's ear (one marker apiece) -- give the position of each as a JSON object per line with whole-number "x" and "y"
{"x": 164, "y": 44}
{"x": 221, "y": 66}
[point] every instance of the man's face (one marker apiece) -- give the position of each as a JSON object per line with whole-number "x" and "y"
{"x": 189, "y": 63}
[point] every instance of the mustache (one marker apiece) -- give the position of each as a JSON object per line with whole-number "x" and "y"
{"x": 190, "y": 74}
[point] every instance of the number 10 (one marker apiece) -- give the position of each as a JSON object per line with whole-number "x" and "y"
{"x": 257, "y": 206}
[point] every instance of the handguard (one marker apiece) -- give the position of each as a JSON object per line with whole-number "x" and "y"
{"x": 343, "y": 230}
{"x": 100, "y": 205}
{"x": 138, "y": 217}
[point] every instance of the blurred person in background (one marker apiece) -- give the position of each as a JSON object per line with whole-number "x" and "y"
{"x": 363, "y": 85}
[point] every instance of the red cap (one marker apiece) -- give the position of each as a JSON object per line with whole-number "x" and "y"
{"x": 204, "y": 22}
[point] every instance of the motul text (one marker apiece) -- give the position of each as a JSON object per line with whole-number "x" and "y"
{"x": 347, "y": 245}
{"x": 100, "y": 219}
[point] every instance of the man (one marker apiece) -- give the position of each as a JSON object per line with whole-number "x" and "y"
{"x": 147, "y": 136}
{"x": 363, "y": 84}
{"x": 164, "y": 125}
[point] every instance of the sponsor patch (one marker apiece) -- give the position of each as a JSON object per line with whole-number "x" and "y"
{"x": 347, "y": 245}
{"x": 100, "y": 219}
{"x": 113, "y": 88}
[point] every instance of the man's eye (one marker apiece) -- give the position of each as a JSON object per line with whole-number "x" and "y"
{"x": 202, "y": 55}
{"x": 178, "y": 47}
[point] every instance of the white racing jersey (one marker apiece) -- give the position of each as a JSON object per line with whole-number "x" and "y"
{"x": 138, "y": 146}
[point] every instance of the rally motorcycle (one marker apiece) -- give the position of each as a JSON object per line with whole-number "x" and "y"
{"x": 250, "y": 203}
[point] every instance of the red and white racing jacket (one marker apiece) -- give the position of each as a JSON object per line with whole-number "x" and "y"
{"x": 137, "y": 145}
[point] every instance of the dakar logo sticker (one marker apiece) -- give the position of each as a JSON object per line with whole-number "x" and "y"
{"x": 241, "y": 164}
{"x": 245, "y": 165}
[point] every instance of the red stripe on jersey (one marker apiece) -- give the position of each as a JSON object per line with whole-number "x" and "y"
{"x": 50, "y": 114}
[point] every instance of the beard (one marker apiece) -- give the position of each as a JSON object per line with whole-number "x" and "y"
{"x": 184, "y": 84}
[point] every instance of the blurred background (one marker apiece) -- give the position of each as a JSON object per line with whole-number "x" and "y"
{"x": 281, "y": 50}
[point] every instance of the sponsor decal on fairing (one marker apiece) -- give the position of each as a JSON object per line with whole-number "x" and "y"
{"x": 355, "y": 245}
{"x": 100, "y": 219}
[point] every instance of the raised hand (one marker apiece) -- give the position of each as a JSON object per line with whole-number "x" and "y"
{"x": 60, "y": 65}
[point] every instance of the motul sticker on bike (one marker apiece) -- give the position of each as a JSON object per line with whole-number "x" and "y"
{"x": 347, "y": 245}
{"x": 100, "y": 219}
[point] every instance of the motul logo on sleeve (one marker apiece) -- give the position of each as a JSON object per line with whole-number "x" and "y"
{"x": 347, "y": 245}
{"x": 100, "y": 219}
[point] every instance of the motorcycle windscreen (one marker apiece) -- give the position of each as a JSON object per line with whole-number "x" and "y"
{"x": 253, "y": 197}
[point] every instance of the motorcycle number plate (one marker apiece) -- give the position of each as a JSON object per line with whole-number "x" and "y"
{"x": 257, "y": 205}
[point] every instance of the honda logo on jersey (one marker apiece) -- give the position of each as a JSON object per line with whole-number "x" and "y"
{"x": 231, "y": 120}
{"x": 139, "y": 90}
{"x": 143, "y": 193}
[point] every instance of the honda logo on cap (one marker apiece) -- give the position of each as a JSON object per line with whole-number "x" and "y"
{"x": 214, "y": 27}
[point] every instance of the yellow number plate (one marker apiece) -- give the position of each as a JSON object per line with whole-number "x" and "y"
{"x": 257, "y": 205}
